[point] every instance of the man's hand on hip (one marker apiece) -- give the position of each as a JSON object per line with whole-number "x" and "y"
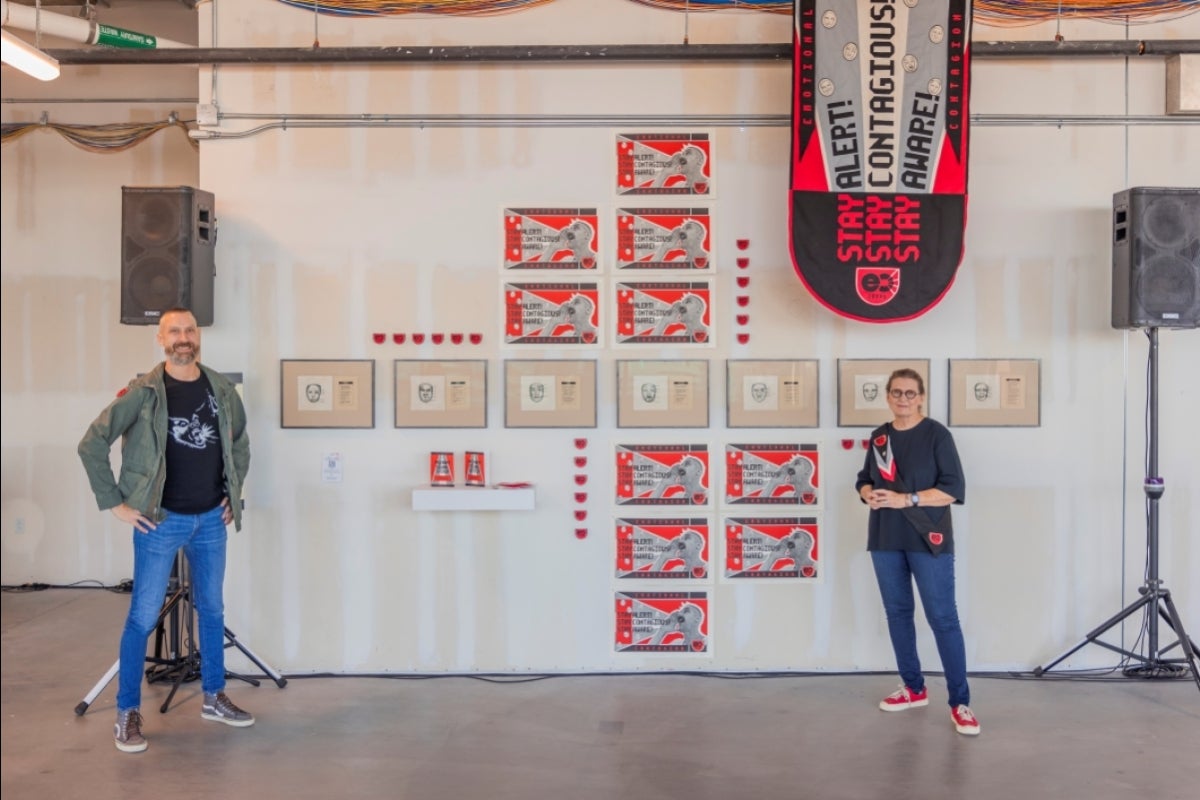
{"x": 131, "y": 516}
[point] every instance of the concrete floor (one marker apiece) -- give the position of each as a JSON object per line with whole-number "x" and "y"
{"x": 571, "y": 737}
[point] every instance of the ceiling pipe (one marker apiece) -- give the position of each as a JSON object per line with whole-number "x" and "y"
{"x": 579, "y": 53}
{"x": 13, "y": 15}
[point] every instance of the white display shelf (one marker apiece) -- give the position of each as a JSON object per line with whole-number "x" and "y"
{"x": 471, "y": 498}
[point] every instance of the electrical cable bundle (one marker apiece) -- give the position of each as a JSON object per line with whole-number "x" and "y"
{"x": 999, "y": 13}
{"x": 112, "y": 138}
{"x": 392, "y": 8}
{"x": 1013, "y": 13}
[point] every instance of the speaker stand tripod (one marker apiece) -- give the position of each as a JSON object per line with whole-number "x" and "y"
{"x": 1155, "y": 596}
{"x": 176, "y": 657}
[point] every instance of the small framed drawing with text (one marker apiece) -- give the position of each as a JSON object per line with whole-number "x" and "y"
{"x": 773, "y": 393}
{"x": 662, "y": 394}
{"x": 327, "y": 394}
{"x": 441, "y": 394}
{"x": 995, "y": 392}
{"x": 862, "y": 389}
{"x": 550, "y": 393}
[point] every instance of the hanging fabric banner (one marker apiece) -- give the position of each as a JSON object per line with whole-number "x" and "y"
{"x": 879, "y": 152}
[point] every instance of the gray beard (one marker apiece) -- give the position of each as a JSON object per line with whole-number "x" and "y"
{"x": 182, "y": 359}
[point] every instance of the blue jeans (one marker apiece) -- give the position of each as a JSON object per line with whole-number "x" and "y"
{"x": 202, "y": 537}
{"x": 895, "y": 570}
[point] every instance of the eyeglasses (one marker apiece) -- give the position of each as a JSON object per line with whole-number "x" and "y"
{"x": 907, "y": 394}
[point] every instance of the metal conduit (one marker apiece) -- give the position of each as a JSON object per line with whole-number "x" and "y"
{"x": 618, "y": 53}
{"x": 334, "y": 121}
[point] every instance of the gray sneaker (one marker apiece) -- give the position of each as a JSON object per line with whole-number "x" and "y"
{"x": 220, "y": 708}
{"x": 128, "y": 732}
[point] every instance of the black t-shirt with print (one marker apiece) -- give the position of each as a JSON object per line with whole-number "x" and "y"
{"x": 195, "y": 473}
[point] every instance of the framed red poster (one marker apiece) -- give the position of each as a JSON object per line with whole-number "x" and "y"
{"x": 664, "y": 312}
{"x": 666, "y": 548}
{"x": 677, "y": 239}
{"x": 771, "y": 547}
{"x": 662, "y": 475}
{"x": 661, "y": 622}
{"x": 664, "y": 164}
{"x": 540, "y": 239}
{"x": 771, "y": 474}
{"x": 567, "y": 312}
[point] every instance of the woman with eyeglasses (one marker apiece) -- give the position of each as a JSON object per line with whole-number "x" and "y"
{"x": 911, "y": 477}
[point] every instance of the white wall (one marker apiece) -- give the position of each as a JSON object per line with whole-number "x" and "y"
{"x": 327, "y": 236}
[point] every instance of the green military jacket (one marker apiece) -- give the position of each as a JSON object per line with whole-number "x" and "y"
{"x": 139, "y": 417}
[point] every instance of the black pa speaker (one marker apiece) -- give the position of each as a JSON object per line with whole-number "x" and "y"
{"x": 168, "y": 235}
{"x": 1156, "y": 258}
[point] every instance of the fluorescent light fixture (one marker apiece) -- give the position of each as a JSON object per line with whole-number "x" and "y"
{"x": 27, "y": 58}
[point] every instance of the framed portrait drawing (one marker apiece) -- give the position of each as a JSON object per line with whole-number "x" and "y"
{"x": 773, "y": 393}
{"x": 441, "y": 394}
{"x": 862, "y": 389}
{"x": 550, "y": 393}
{"x": 662, "y": 394}
{"x": 327, "y": 394}
{"x": 995, "y": 392}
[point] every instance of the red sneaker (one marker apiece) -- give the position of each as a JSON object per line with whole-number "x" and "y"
{"x": 904, "y": 698}
{"x": 964, "y": 721}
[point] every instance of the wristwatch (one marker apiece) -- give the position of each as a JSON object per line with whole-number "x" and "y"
{"x": 915, "y": 499}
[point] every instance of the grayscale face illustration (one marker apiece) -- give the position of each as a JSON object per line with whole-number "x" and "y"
{"x": 576, "y": 237}
{"x": 689, "y": 310}
{"x": 425, "y": 392}
{"x": 688, "y": 162}
{"x": 688, "y": 237}
{"x": 688, "y": 472}
{"x": 687, "y": 621}
{"x": 576, "y": 312}
{"x": 649, "y": 392}
{"x": 313, "y": 392}
{"x": 795, "y": 473}
{"x": 870, "y": 391}
{"x": 537, "y": 392}
{"x": 982, "y": 390}
{"x": 688, "y": 548}
{"x": 758, "y": 391}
